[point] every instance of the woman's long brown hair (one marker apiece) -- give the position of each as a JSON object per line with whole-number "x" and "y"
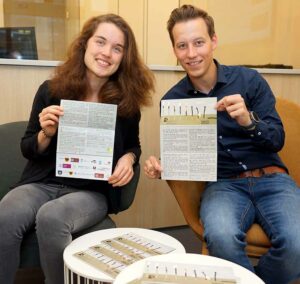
{"x": 131, "y": 86}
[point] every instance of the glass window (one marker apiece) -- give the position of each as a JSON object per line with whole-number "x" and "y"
{"x": 38, "y": 29}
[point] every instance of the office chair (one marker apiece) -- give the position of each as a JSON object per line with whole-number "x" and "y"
{"x": 188, "y": 193}
{"x": 11, "y": 166}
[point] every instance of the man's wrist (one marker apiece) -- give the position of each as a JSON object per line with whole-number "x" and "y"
{"x": 254, "y": 120}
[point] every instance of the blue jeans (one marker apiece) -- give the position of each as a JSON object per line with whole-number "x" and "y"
{"x": 230, "y": 206}
{"x": 56, "y": 212}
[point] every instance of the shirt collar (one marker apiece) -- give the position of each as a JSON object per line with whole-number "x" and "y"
{"x": 221, "y": 78}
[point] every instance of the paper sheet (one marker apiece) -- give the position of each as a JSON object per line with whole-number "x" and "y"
{"x": 111, "y": 256}
{"x": 188, "y": 139}
{"x": 86, "y": 140}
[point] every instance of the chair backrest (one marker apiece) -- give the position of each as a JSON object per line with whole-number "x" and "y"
{"x": 188, "y": 193}
{"x": 290, "y": 154}
{"x": 12, "y": 161}
{"x": 128, "y": 191}
{"x": 12, "y": 164}
{"x": 122, "y": 198}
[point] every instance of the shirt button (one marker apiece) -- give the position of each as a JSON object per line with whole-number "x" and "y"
{"x": 252, "y": 135}
{"x": 220, "y": 137}
{"x": 195, "y": 92}
{"x": 228, "y": 150}
{"x": 240, "y": 163}
{"x": 259, "y": 133}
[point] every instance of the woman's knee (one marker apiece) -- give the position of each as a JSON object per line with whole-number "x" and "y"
{"x": 68, "y": 214}
{"x": 15, "y": 216}
{"x": 50, "y": 218}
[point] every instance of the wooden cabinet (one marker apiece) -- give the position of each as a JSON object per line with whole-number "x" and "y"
{"x": 267, "y": 30}
{"x": 154, "y": 205}
{"x": 148, "y": 20}
{"x": 134, "y": 12}
{"x": 50, "y": 21}
{"x": 90, "y": 8}
{"x": 1, "y": 14}
{"x": 159, "y": 47}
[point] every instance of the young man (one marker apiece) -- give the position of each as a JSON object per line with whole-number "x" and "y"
{"x": 253, "y": 183}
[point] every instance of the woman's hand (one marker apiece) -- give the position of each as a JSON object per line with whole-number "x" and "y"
{"x": 123, "y": 172}
{"x": 49, "y": 119}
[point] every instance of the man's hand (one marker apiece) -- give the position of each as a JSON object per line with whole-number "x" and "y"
{"x": 152, "y": 167}
{"x": 236, "y": 108}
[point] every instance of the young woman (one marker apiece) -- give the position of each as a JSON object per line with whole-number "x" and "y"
{"x": 103, "y": 65}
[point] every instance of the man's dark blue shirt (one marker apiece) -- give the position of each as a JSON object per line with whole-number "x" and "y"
{"x": 239, "y": 149}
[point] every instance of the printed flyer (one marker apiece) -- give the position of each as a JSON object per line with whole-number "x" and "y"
{"x": 188, "y": 139}
{"x": 85, "y": 140}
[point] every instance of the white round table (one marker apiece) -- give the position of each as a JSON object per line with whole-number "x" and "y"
{"x": 135, "y": 270}
{"x": 83, "y": 272}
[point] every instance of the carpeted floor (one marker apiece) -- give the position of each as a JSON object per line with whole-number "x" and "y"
{"x": 184, "y": 235}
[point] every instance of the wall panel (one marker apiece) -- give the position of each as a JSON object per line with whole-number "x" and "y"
{"x": 154, "y": 205}
{"x": 198, "y": 3}
{"x": 90, "y": 8}
{"x": 261, "y": 31}
{"x": 1, "y": 14}
{"x": 133, "y": 12}
{"x": 18, "y": 87}
{"x": 159, "y": 47}
{"x": 72, "y": 20}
